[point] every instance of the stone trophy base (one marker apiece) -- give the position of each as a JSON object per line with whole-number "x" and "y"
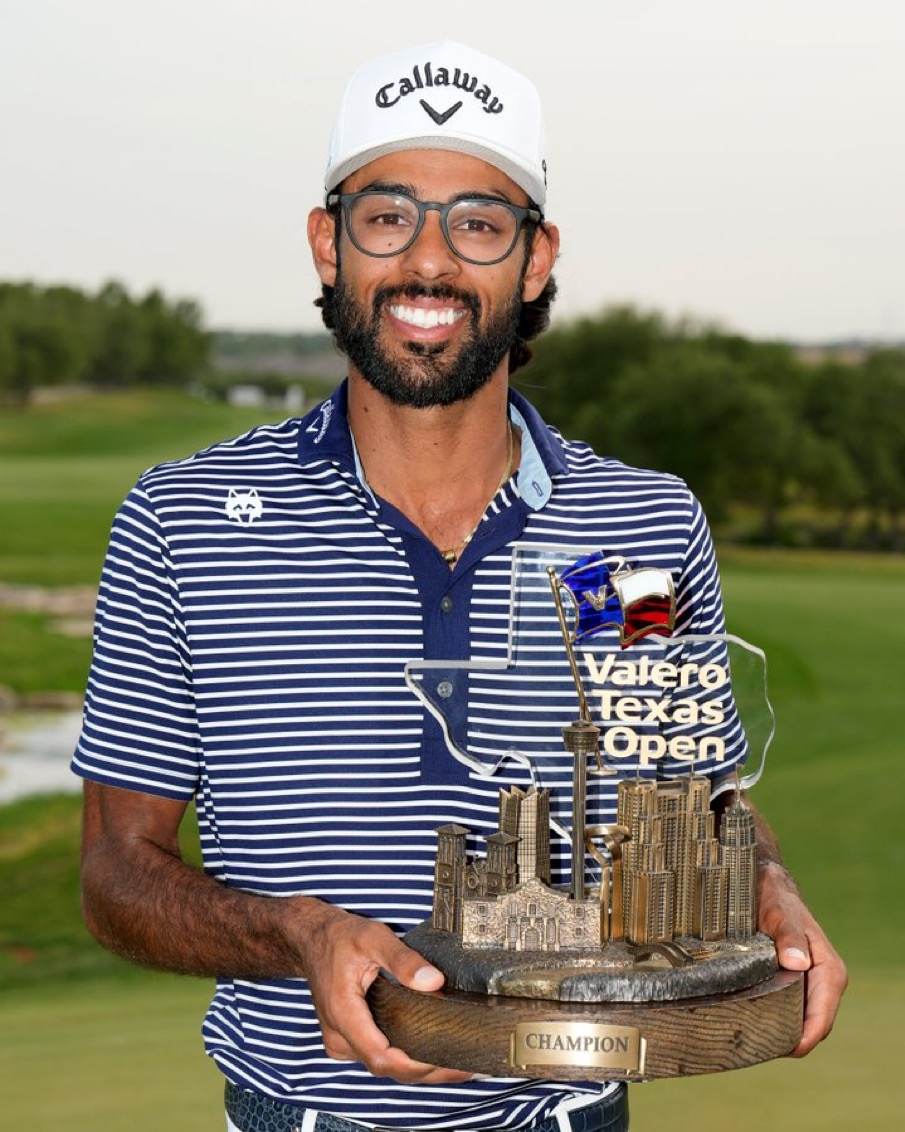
{"x": 628, "y": 1014}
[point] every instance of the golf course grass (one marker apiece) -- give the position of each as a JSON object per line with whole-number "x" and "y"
{"x": 90, "y": 1043}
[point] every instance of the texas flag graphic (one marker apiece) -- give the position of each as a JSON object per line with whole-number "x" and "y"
{"x": 607, "y": 592}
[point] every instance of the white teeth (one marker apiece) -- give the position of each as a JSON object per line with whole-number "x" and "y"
{"x": 426, "y": 319}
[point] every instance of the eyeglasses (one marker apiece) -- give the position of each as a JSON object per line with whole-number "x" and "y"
{"x": 478, "y": 229}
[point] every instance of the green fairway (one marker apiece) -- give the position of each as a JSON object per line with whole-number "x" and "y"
{"x": 110, "y": 1056}
{"x": 834, "y": 634}
{"x": 88, "y": 1043}
{"x": 65, "y": 467}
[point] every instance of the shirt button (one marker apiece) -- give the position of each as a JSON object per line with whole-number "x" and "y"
{"x": 446, "y": 604}
{"x": 444, "y": 689}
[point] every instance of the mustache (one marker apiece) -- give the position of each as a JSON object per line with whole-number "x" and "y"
{"x": 414, "y": 291}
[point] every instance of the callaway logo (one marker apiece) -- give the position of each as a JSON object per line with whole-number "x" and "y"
{"x": 244, "y": 506}
{"x": 318, "y": 427}
{"x": 389, "y": 94}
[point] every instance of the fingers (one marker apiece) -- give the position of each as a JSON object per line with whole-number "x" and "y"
{"x": 825, "y": 984}
{"x": 352, "y": 954}
{"x": 801, "y": 945}
{"x": 358, "y": 1038}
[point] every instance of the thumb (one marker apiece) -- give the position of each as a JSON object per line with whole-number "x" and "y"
{"x": 793, "y": 958}
{"x": 793, "y": 950}
{"x": 427, "y": 978}
{"x": 413, "y": 970}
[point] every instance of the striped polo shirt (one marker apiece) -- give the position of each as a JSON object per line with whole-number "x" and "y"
{"x": 259, "y": 614}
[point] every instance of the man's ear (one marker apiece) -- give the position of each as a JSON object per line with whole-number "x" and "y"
{"x": 322, "y": 239}
{"x": 544, "y": 251}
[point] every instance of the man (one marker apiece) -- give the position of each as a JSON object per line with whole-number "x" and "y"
{"x": 261, "y": 599}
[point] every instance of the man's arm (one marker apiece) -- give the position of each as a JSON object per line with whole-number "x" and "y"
{"x": 801, "y": 944}
{"x": 143, "y": 901}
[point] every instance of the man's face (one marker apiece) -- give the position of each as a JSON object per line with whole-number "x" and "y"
{"x": 425, "y": 327}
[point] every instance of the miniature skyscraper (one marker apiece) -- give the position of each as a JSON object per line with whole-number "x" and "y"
{"x": 737, "y": 837}
{"x": 526, "y": 815}
{"x": 711, "y": 890}
{"x": 650, "y": 915}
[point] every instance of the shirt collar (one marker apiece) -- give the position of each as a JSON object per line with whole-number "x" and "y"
{"x": 324, "y": 434}
{"x": 542, "y": 453}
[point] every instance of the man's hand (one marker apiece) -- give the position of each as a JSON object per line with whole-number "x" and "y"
{"x": 344, "y": 955}
{"x": 801, "y": 945}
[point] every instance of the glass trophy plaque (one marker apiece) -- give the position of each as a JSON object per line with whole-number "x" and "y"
{"x": 608, "y": 928}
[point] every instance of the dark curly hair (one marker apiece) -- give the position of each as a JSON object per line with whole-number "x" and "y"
{"x": 534, "y": 317}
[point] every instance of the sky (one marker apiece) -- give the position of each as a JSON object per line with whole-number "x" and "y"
{"x": 736, "y": 162}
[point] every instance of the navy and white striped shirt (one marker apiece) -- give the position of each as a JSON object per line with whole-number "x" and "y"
{"x": 257, "y": 610}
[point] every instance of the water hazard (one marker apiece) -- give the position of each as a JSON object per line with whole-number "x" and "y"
{"x": 35, "y": 749}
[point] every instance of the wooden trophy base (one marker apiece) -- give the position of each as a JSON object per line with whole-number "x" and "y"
{"x": 593, "y": 1041}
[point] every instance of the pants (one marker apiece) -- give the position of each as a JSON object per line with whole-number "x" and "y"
{"x": 609, "y": 1115}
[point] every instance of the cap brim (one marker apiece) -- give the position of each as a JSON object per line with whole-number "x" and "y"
{"x": 526, "y": 179}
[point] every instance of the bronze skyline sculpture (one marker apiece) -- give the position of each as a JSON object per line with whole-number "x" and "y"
{"x": 667, "y": 876}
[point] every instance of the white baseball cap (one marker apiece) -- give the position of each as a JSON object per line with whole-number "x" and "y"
{"x": 442, "y": 95}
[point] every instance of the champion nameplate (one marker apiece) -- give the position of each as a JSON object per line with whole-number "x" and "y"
{"x": 578, "y": 1043}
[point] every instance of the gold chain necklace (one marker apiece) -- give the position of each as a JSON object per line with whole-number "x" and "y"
{"x": 452, "y": 556}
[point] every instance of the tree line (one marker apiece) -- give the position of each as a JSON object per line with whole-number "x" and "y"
{"x": 778, "y": 449}
{"x": 796, "y": 452}
{"x": 65, "y": 336}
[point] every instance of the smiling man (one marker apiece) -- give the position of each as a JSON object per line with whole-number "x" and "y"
{"x": 252, "y": 658}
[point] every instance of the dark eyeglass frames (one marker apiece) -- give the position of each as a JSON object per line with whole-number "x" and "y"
{"x": 480, "y": 230}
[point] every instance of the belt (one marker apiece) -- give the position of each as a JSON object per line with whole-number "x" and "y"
{"x": 255, "y": 1112}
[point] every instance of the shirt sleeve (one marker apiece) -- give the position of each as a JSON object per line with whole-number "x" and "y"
{"x": 716, "y": 725}
{"x": 140, "y": 728}
{"x": 699, "y": 599}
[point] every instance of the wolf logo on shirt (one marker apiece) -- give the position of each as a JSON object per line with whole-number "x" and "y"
{"x": 244, "y": 505}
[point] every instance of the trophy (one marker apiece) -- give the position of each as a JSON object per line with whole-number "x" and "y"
{"x": 648, "y": 962}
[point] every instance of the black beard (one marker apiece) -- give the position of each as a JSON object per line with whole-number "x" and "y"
{"x": 428, "y": 377}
